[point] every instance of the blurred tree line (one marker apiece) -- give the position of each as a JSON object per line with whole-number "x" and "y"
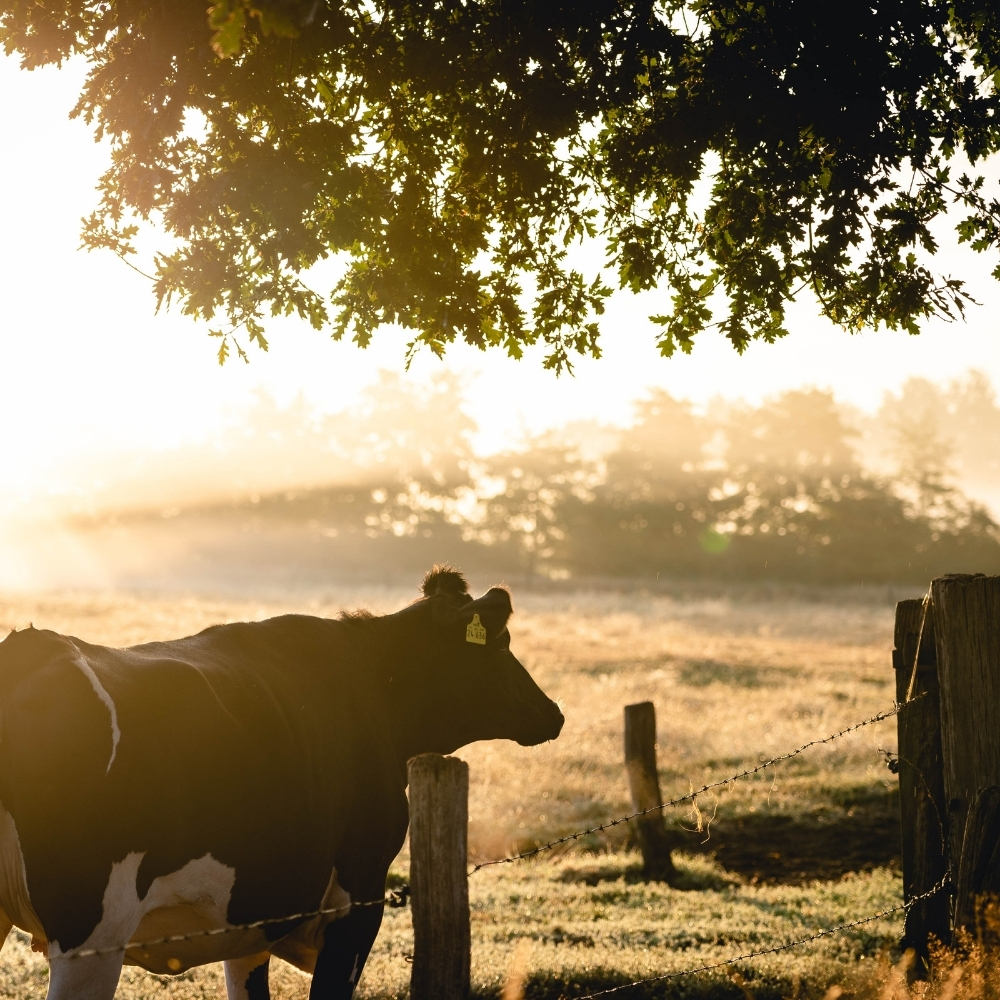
{"x": 780, "y": 491}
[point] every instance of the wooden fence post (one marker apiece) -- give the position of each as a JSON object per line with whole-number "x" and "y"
{"x": 644, "y": 782}
{"x": 978, "y": 869}
{"x": 967, "y": 641}
{"x": 922, "y": 807}
{"x": 439, "y": 881}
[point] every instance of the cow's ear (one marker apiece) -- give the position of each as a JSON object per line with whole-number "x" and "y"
{"x": 493, "y": 610}
{"x": 444, "y": 579}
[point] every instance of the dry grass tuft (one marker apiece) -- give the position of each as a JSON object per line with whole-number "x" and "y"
{"x": 969, "y": 970}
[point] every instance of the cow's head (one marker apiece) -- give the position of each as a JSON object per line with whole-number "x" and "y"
{"x": 463, "y": 683}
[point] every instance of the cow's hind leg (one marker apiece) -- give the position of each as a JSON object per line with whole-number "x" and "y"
{"x": 93, "y": 977}
{"x": 246, "y": 978}
{"x": 346, "y": 944}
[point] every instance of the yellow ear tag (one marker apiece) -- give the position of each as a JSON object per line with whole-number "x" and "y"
{"x": 474, "y": 631}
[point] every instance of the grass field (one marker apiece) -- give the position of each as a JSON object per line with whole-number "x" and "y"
{"x": 736, "y": 678}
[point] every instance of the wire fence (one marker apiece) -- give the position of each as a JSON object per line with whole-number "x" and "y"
{"x": 398, "y": 897}
{"x": 774, "y": 949}
{"x": 690, "y": 796}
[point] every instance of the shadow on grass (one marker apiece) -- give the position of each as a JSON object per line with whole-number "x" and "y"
{"x": 798, "y": 849}
{"x": 701, "y": 673}
{"x": 545, "y": 985}
{"x": 857, "y": 834}
{"x": 694, "y": 874}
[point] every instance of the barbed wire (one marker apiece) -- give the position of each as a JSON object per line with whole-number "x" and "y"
{"x": 774, "y": 949}
{"x": 395, "y": 898}
{"x": 878, "y": 717}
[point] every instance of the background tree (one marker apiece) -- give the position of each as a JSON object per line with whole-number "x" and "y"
{"x": 450, "y": 153}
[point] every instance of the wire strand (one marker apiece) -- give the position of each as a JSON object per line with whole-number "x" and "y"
{"x": 946, "y": 878}
{"x": 396, "y": 898}
{"x": 879, "y": 717}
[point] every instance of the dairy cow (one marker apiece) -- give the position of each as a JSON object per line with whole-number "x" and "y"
{"x": 248, "y": 773}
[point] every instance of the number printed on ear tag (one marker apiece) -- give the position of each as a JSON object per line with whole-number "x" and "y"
{"x": 474, "y": 631}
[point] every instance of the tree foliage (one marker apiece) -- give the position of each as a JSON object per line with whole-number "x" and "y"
{"x": 450, "y": 154}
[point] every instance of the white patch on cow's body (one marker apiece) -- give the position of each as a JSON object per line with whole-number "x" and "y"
{"x": 15, "y": 903}
{"x": 121, "y": 913}
{"x": 193, "y": 899}
{"x": 102, "y": 692}
{"x": 187, "y": 902}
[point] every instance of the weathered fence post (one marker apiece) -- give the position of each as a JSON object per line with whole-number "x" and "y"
{"x": 644, "y": 782}
{"x": 967, "y": 641}
{"x": 978, "y": 869}
{"x": 922, "y": 807}
{"x": 439, "y": 882}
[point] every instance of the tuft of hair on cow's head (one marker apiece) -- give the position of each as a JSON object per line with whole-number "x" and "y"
{"x": 449, "y": 591}
{"x": 444, "y": 579}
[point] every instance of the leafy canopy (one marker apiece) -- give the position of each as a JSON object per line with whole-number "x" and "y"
{"x": 449, "y": 153}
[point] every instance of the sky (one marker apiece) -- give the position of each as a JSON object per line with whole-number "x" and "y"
{"x": 88, "y": 369}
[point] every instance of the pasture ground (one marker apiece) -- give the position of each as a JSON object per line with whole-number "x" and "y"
{"x": 736, "y": 678}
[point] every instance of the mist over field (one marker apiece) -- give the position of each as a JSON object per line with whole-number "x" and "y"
{"x": 800, "y": 488}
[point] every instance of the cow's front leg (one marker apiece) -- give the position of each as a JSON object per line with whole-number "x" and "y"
{"x": 91, "y": 977}
{"x": 346, "y": 944}
{"x": 246, "y": 978}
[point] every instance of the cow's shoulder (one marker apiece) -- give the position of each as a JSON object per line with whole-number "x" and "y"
{"x": 25, "y": 652}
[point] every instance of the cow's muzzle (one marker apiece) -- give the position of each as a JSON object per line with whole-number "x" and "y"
{"x": 546, "y": 728}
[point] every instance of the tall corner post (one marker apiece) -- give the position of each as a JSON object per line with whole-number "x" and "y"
{"x": 967, "y": 646}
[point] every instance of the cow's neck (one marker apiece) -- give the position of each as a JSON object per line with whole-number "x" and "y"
{"x": 417, "y": 721}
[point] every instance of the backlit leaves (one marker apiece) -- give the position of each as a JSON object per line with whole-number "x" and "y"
{"x": 452, "y": 155}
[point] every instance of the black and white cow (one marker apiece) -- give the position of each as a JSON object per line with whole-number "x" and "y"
{"x": 250, "y": 772}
